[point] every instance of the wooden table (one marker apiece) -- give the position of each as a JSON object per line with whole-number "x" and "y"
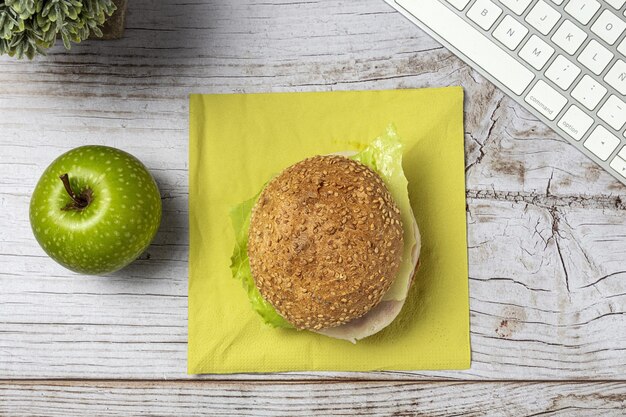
{"x": 547, "y": 227}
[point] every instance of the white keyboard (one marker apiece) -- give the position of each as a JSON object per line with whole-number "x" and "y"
{"x": 563, "y": 60}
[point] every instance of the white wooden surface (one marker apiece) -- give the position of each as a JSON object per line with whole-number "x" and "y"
{"x": 306, "y": 399}
{"x": 546, "y": 227}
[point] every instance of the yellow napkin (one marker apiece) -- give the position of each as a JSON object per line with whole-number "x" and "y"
{"x": 238, "y": 141}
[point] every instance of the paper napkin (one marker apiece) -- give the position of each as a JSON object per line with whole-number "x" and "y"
{"x": 238, "y": 141}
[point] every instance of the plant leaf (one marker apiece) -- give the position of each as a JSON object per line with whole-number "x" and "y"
{"x": 28, "y": 27}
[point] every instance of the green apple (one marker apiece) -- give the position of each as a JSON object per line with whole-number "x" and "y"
{"x": 95, "y": 209}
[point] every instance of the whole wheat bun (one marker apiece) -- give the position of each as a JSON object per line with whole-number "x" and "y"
{"x": 325, "y": 242}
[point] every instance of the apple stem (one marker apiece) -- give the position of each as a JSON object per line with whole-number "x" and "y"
{"x": 80, "y": 201}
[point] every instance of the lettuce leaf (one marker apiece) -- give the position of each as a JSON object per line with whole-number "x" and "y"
{"x": 240, "y": 264}
{"x": 384, "y": 156}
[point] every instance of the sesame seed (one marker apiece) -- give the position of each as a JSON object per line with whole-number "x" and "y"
{"x": 353, "y": 215}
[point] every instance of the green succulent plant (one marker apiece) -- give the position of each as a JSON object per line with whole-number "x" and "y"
{"x": 29, "y": 27}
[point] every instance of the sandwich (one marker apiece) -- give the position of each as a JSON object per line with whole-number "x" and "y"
{"x": 330, "y": 245}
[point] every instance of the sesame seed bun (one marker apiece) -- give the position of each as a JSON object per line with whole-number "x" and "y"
{"x": 325, "y": 242}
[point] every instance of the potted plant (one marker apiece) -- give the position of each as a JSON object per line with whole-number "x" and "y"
{"x": 29, "y": 27}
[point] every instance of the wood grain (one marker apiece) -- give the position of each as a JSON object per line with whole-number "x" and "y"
{"x": 329, "y": 399}
{"x": 546, "y": 226}
{"x": 526, "y": 323}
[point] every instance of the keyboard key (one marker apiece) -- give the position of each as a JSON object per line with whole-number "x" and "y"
{"x": 471, "y": 43}
{"x": 575, "y": 122}
{"x": 589, "y": 92}
{"x": 582, "y": 10}
{"x": 608, "y": 27}
{"x": 622, "y": 46}
{"x": 510, "y": 32}
{"x": 616, "y": 3}
{"x": 546, "y": 100}
{"x": 602, "y": 143}
{"x": 559, "y": 2}
{"x": 517, "y": 6}
{"x": 536, "y": 52}
{"x": 562, "y": 72}
{"x": 619, "y": 165}
{"x": 459, "y": 4}
{"x": 613, "y": 112}
{"x": 595, "y": 57}
{"x": 622, "y": 153}
{"x": 616, "y": 77}
{"x": 543, "y": 17}
{"x": 484, "y": 13}
{"x": 569, "y": 37}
